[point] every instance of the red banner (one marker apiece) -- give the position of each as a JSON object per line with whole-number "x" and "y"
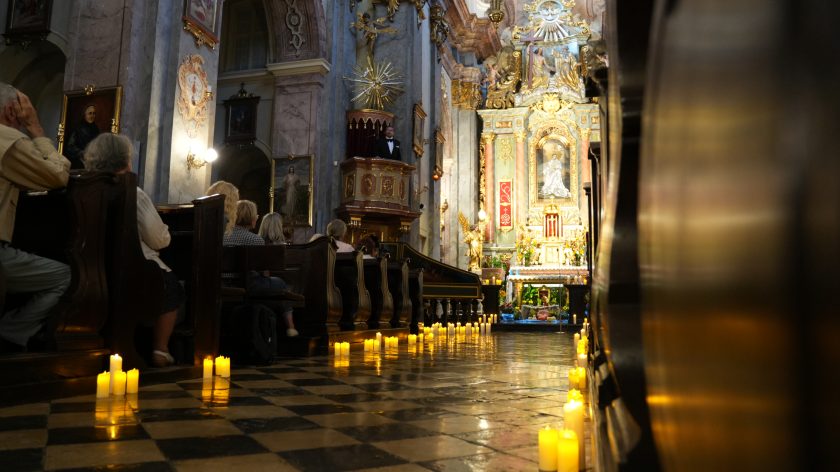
{"x": 505, "y": 209}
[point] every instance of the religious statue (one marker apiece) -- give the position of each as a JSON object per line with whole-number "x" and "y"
{"x": 553, "y": 179}
{"x": 539, "y": 71}
{"x": 370, "y": 29}
{"x": 567, "y": 69}
{"x": 474, "y": 238}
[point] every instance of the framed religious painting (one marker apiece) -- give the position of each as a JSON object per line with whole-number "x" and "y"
{"x": 241, "y": 118}
{"x": 553, "y": 169}
{"x": 28, "y": 20}
{"x": 202, "y": 19}
{"x": 417, "y": 134}
{"x": 291, "y": 192}
{"x": 84, "y": 115}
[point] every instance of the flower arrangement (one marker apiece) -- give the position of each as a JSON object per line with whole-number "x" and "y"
{"x": 527, "y": 246}
{"x": 574, "y": 250}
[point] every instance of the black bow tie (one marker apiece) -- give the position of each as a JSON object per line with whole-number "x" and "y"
{"x": 390, "y": 139}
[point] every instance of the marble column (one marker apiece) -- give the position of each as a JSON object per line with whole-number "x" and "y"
{"x": 489, "y": 185}
{"x": 520, "y": 180}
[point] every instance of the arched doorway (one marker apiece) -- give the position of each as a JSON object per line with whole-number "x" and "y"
{"x": 249, "y": 169}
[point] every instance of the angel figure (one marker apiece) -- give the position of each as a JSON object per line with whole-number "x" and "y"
{"x": 474, "y": 238}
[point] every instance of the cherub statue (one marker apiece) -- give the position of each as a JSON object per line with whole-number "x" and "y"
{"x": 474, "y": 238}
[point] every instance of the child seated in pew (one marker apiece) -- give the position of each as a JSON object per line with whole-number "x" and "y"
{"x": 112, "y": 153}
{"x": 369, "y": 245}
{"x": 241, "y": 235}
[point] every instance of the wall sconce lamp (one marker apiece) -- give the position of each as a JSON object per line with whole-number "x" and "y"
{"x": 196, "y": 161}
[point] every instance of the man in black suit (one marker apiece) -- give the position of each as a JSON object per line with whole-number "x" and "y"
{"x": 388, "y": 148}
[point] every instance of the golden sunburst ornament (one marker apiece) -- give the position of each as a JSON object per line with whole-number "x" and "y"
{"x": 375, "y": 84}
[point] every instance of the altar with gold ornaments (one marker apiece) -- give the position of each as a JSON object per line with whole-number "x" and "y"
{"x": 537, "y": 126}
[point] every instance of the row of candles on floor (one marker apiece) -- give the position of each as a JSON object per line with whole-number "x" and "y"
{"x": 115, "y": 381}
{"x": 342, "y": 349}
{"x": 563, "y": 450}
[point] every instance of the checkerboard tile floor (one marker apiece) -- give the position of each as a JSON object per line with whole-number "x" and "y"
{"x": 458, "y": 405}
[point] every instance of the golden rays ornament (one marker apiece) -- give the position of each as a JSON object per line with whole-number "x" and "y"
{"x": 375, "y": 84}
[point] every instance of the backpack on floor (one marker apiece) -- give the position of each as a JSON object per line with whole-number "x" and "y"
{"x": 254, "y": 330}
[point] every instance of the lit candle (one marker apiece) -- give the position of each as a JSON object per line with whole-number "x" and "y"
{"x": 119, "y": 383}
{"x": 574, "y": 394}
{"x": 574, "y": 319}
{"x": 116, "y": 366}
{"x": 573, "y": 417}
{"x": 489, "y": 328}
{"x": 581, "y": 347}
{"x": 548, "y": 449}
{"x": 581, "y": 360}
{"x": 208, "y": 368}
{"x": 103, "y": 385}
{"x": 577, "y": 340}
{"x": 573, "y": 378}
{"x": 567, "y": 451}
{"x": 132, "y": 381}
{"x": 345, "y": 349}
{"x": 421, "y": 338}
{"x": 223, "y": 366}
{"x": 581, "y": 377}
{"x": 337, "y": 349}
{"x": 379, "y": 339}
{"x": 412, "y": 339}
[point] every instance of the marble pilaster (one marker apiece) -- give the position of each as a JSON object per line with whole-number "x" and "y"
{"x": 520, "y": 197}
{"x": 489, "y": 185}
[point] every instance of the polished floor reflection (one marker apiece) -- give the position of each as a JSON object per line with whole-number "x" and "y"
{"x": 465, "y": 404}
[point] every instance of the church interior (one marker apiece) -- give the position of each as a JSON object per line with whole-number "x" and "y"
{"x": 551, "y": 235}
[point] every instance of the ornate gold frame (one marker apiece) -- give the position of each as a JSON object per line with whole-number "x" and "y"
{"x": 292, "y": 159}
{"x": 202, "y": 34}
{"x": 91, "y": 93}
{"x": 419, "y": 123}
{"x": 553, "y": 129}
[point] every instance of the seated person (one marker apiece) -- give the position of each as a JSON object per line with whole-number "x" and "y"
{"x": 369, "y": 245}
{"x": 231, "y": 194}
{"x": 28, "y": 161}
{"x": 271, "y": 229}
{"x": 241, "y": 235}
{"x": 112, "y": 153}
{"x": 338, "y": 229}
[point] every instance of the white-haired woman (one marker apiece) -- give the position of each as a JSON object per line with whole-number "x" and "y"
{"x": 112, "y": 153}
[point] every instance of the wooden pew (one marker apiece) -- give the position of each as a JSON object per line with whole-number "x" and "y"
{"x": 195, "y": 255}
{"x": 310, "y": 270}
{"x": 67, "y": 225}
{"x": 415, "y": 292}
{"x": 135, "y": 284}
{"x": 398, "y": 284}
{"x": 355, "y": 298}
{"x": 376, "y": 281}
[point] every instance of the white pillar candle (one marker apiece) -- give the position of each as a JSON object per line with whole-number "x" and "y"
{"x": 223, "y": 366}
{"x": 379, "y": 338}
{"x": 421, "y": 338}
{"x": 208, "y": 368}
{"x": 377, "y": 344}
{"x": 489, "y": 328}
{"x": 581, "y": 377}
{"x": 132, "y": 382}
{"x": 573, "y": 417}
{"x": 548, "y": 449}
{"x": 581, "y": 360}
{"x": 118, "y": 379}
{"x": 345, "y": 349}
{"x": 573, "y": 378}
{"x": 576, "y": 341}
{"x": 115, "y": 366}
{"x": 574, "y": 319}
{"x": 568, "y": 457}
{"x": 103, "y": 385}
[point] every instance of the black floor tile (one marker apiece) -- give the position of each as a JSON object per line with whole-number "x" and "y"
{"x": 93, "y": 434}
{"x": 280, "y": 370}
{"x": 305, "y": 410}
{"x": 163, "y": 394}
{"x": 199, "y": 385}
{"x": 21, "y": 460}
{"x": 383, "y": 387}
{"x": 72, "y": 407}
{"x": 416, "y": 414}
{"x": 195, "y": 448}
{"x": 313, "y": 382}
{"x": 279, "y": 392}
{"x": 355, "y": 397}
{"x": 360, "y": 456}
{"x": 247, "y": 401}
{"x": 251, "y": 377}
{"x": 148, "y": 416}
{"x": 386, "y": 432}
{"x": 142, "y": 467}
{"x": 263, "y": 425}
{"x": 11, "y": 423}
